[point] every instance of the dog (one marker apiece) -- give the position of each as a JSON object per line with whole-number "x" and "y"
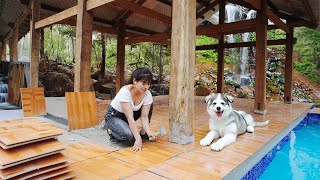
{"x": 226, "y": 123}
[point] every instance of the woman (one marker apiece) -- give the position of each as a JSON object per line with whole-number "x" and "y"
{"x": 132, "y": 102}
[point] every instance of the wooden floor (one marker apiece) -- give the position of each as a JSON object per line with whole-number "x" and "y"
{"x": 165, "y": 160}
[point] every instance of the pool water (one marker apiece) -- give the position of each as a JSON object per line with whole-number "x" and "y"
{"x": 297, "y": 156}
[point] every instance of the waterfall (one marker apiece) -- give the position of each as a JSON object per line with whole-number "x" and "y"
{"x": 24, "y": 48}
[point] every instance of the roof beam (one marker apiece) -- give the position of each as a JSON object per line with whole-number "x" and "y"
{"x": 208, "y": 8}
{"x": 308, "y": 10}
{"x": 21, "y": 18}
{"x": 242, "y": 44}
{"x": 142, "y": 10}
{"x": 227, "y": 27}
{"x": 127, "y": 13}
{"x": 167, "y": 2}
{"x": 70, "y": 12}
{"x": 270, "y": 15}
{"x": 153, "y": 38}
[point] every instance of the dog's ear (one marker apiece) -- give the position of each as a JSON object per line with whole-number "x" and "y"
{"x": 230, "y": 98}
{"x": 206, "y": 99}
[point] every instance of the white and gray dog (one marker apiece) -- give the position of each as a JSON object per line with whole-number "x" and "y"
{"x": 225, "y": 122}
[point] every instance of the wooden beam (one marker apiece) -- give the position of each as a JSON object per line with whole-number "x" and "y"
{"x": 226, "y": 28}
{"x": 152, "y": 38}
{"x": 35, "y": 44}
{"x": 243, "y": 44}
{"x": 220, "y": 74}
{"x": 3, "y": 51}
{"x": 181, "y": 98}
{"x": 126, "y": 13}
{"x": 82, "y": 72}
{"x": 261, "y": 60}
{"x": 309, "y": 11}
{"x": 121, "y": 53}
{"x": 270, "y": 14}
{"x": 70, "y": 12}
{"x": 288, "y": 70}
{"x": 167, "y": 2}
{"x": 208, "y": 8}
{"x": 142, "y": 10}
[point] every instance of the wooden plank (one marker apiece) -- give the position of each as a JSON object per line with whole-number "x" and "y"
{"x": 151, "y": 38}
{"x": 32, "y": 166}
{"x": 82, "y": 68}
{"x": 52, "y": 174}
{"x": 16, "y": 82}
{"x": 33, "y": 102}
{"x": 24, "y": 143}
{"x": 142, "y": 10}
{"x": 112, "y": 168}
{"x": 18, "y": 155}
{"x": 181, "y": 66}
{"x": 68, "y": 13}
{"x": 85, "y": 150}
{"x": 41, "y": 171}
{"x": 82, "y": 110}
{"x": 65, "y": 176}
{"x": 157, "y": 150}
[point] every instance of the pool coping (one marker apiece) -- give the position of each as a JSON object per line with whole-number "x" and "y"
{"x": 252, "y": 160}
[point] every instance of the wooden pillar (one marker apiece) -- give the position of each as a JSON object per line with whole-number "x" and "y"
{"x": 120, "y": 56}
{"x": 288, "y": 68}
{"x": 14, "y": 45}
{"x": 103, "y": 54}
{"x": 42, "y": 44}
{"x": 82, "y": 73}
{"x": 35, "y": 44}
{"x": 181, "y": 98}
{"x": 3, "y": 51}
{"x": 261, "y": 60}
{"x": 220, "y": 75}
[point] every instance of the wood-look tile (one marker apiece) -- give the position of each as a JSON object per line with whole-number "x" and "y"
{"x": 33, "y": 102}
{"x": 29, "y": 152}
{"x": 32, "y": 165}
{"x": 52, "y": 174}
{"x": 14, "y": 133}
{"x": 82, "y": 110}
{"x": 85, "y": 150}
{"x": 146, "y": 175}
{"x": 103, "y": 167}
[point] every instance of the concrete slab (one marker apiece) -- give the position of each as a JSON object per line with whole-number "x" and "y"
{"x": 57, "y": 106}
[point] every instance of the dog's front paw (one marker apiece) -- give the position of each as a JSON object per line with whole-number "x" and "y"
{"x": 205, "y": 141}
{"x": 217, "y": 146}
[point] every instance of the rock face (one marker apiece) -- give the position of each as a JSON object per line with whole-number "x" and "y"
{"x": 56, "y": 84}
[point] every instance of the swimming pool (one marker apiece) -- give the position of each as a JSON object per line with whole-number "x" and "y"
{"x": 296, "y": 156}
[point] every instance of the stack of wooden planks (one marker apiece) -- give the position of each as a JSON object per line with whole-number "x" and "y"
{"x": 29, "y": 150}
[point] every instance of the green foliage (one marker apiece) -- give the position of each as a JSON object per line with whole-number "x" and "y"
{"x": 308, "y": 46}
{"x": 206, "y": 55}
{"x": 317, "y": 104}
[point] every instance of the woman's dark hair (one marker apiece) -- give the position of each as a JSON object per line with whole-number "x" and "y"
{"x": 141, "y": 74}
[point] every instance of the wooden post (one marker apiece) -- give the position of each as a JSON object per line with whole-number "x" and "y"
{"x": 35, "y": 44}
{"x": 181, "y": 98}
{"x": 103, "y": 54}
{"x": 261, "y": 59}
{"x": 120, "y": 57}
{"x": 220, "y": 75}
{"x": 288, "y": 68}
{"x": 3, "y": 51}
{"x": 82, "y": 73}
{"x": 42, "y": 44}
{"x": 14, "y": 45}
{"x": 160, "y": 68}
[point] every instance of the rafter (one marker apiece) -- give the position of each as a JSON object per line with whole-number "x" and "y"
{"x": 208, "y": 8}
{"x": 127, "y": 13}
{"x": 308, "y": 10}
{"x": 142, "y": 10}
{"x": 271, "y": 15}
{"x": 70, "y": 12}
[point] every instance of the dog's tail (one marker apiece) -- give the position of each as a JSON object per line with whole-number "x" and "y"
{"x": 261, "y": 123}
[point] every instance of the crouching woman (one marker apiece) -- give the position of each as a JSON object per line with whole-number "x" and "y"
{"x": 133, "y": 101}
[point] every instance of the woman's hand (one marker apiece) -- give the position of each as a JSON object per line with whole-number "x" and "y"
{"x": 137, "y": 146}
{"x": 152, "y": 136}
